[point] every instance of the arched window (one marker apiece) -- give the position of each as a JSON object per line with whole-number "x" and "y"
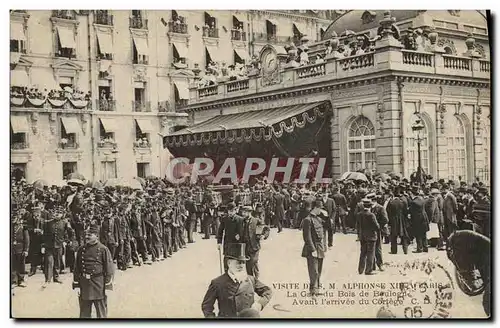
{"x": 456, "y": 149}
{"x": 361, "y": 145}
{"x": 411, "y": 147}
{"x": 485, "y": 176}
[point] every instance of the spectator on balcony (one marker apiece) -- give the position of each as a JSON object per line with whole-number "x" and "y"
{"x": 233, "y": 75}
{"x": 356, "y": 48}
{"x": 319, "y": 59}
{"x": 329, "y": 48}
{"x": 344, "y": 50}
{"x": 304, "y": 57}
{"x": 241, "y": 70}
{"x": 419, "y": 40}
{"x": 409, "y": 41}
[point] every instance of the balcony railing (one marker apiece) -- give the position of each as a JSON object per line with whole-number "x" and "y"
{"x": 18, "y": 145}
{"x": 64, "y": 14}
{"x": 457, "y": 63}
{"x": 142, "y": 144}
{"x": 141, "y": 106}
{"x": 69, "y": 144}
{"x": 311, "y": 70}
{"x": 66, "y": 53}
{"x": 181, "y": 103}
{"x": 238, "y": 35}
{"x": 138, "y": 22}
{"x": 106, "y": 105}
{"x": 141, "y": 60}
{"x": 208, "y": 91}
{"x": 107, "y": 144}
{"x": 237, "y": 85}
{"x": 174, "y": 27}
{"x": 105, "y": 56}
{"x": 484, "y": 66}
{"x": 356, "y": 62}
{"x": 417, "y": 58}
{"x": 210, "y": 32}
{"x": 104, "y": 19}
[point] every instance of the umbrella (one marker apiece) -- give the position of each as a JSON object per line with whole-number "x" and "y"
{"x": 141, "y": 181}
{"x": 357, "y": 176}
{"x": 68, "y": 89}
{"x": 396, "y": 176}
{"x": 40, "y": 184}
{"x": 76, "y": 175}
{"x": 76, "y": 182}
{"x": 384, "y": 176}
{"x": 114, "y": 182}
{"x": 134, "y": 184}
{"x": 151, "y": 177}
{"x": 95, "y": 184}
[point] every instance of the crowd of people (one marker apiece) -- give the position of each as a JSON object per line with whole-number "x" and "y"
{"x": 54, "y": 94}
{"x": 150, "y": 224}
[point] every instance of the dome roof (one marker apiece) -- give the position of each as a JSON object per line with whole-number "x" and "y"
{"x": 363, "y": 20}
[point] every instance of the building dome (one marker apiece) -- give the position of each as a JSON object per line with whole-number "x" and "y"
{"x": 365, "y": 20}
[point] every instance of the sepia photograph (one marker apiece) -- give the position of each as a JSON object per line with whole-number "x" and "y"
{"x": 245, "y": 164}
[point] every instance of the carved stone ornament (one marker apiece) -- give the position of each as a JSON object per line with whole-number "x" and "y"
{"x": 85, "y": 121}
{"x": 441, "y": 110}
{"x": 455, "y": 13}
{"x": 380, "y": 116}
{"x": 139, "y": 73}
{"x": 53, "y": 122}
{"x": 34, "y": 122}
{"x": 164, "y": 122}
{"x": 447, "y": 43}
{"x": 270, "y": 66}
{"x": 479, "y": 111}
{"x": 368, "y": 16}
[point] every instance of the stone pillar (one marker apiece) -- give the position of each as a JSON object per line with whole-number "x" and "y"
{"x": 441, "y": 142}
{"x": 335, "y": 142}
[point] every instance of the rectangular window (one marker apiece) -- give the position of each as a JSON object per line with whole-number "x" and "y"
{"x": 108, "y": 170}
{"x": 106, "y": 102}
{"x": 68, "y": 140}
{"x": 68, "y": 168}
{"x": 18, "y": 140}
{"x": 142, "y": 170}
{"x": 105, "y": 135}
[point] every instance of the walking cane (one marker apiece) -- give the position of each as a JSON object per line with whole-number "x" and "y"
{"x": 220, "y": 262}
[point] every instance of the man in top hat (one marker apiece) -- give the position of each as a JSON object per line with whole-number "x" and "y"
{"x": 314, "y": 248}
{"x": 93, "y": 274}
{"x": 209, "y": 217}
{"x": 450, "y": 209}
{"x": 230, "y": 230}
{"x": 368, "y": 228}
{"x": 382, "y": 220}
{"x": 330, "y": 207}
{"x": 251, "y": 235}
{"x": 234, "y": 290}
{"x": 419, "y": 219}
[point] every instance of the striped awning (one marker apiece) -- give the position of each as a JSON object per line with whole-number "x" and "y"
{"x": 255, "y": 124}
{"x": 19, "y": 124}
{"x": 66, "y": 37}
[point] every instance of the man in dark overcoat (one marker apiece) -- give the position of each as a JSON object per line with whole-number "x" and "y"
{"x": 230, "y": 231}
{"x": 20, "y": 246}
{"x": 330, "y": 207}
{"x": 382, "y": 220}
{"x": 450, "y": 208}
{"x": 367, "y": 229}
{"x": 251, "y": 238}
{"x": 341, "y": 210}
{"x": 93, "y": 274}
{"x": 234, "y": 291}
{"x": 314, "y": 248}
{"x": 419, "y": 220}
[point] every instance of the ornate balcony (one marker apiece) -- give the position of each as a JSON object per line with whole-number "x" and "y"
{"x": 104, "y": 19}
{"x": 64, "y": 14}
{"x": 68, "y": 144}
{"x": 107, "y": 143}
{"x": 180, "y": 28}
{"x": 105, "y": 105}
{"x": 238, "y": 35}
{"x": 138, "y": 23}
{"x": 19, "y": 145}
{"x": 209, "y": 32}
{"x": 141, "y": 106}
{"x": 337, "y": 67}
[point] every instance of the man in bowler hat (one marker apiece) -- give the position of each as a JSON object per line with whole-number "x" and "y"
{"x": 93, "y": 274}
{"x": 234, "y": 290}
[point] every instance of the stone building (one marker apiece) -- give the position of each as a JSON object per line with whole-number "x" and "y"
{"x": 94, "y": 91}
{"x": 377, "y": 75}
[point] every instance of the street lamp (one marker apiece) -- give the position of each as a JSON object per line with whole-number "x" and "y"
{"x": 417, "y": 127}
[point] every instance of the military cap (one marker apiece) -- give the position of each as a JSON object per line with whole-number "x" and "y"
{"x": 231, "y": 206}
{"x": 366, "y": 202}
{"x": 435, "y": 191}
{"x": 93, "y": 229}
{"x": 371, "y": 196}
{"x": 482, "y": 190}
{"x": 247, "y": 208}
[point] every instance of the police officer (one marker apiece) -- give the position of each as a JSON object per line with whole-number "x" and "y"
{"x": 234, "y": 290}
{"x": 93, "y": 274}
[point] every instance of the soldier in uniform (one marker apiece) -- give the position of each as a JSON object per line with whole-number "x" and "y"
{"x": 109, "y": 231}
{"x": 35, "y": 221}
{"x": 314, "y": 248}
{"x": 341, "y": 210}
{"x": 20, "y": 246}
{"x": 382, "y": 219}
{"x": 230, "y": 231}
{"x": 234, "y": 290}
{"x": 208, "y": 218}
{"x": 93, "y": 274}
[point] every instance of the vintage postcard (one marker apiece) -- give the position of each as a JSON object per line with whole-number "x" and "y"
{"x": 250, "y": 164}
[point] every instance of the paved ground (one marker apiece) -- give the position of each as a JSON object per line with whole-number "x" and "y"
{"x": 175, "y": 287}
